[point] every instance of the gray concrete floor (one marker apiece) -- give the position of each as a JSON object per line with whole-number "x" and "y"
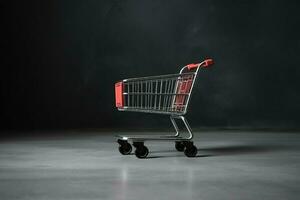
{"x": 230, "y": 165}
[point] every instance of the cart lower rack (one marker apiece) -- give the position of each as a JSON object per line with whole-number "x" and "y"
{"x": 164, "y": 94}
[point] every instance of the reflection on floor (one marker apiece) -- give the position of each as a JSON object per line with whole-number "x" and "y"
{"x": 229, "y": 165}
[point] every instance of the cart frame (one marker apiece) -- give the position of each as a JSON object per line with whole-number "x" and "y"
{"x": 165, "y": 94}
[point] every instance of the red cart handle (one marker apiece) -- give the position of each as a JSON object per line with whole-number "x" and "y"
{"x": 205, "y": 63}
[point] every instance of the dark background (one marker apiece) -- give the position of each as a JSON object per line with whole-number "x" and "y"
{"x": 61, "y": 59}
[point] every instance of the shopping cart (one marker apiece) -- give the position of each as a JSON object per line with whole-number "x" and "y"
{"x": 165, "y": 94}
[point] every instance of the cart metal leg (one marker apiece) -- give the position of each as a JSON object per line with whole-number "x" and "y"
{"x": 187, "y": 126}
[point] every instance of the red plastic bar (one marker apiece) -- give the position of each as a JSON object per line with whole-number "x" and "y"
{"x": 205, "y": 63}
{"x": 119, "y": 95}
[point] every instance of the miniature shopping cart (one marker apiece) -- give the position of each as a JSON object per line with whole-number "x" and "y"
{"x": 165, "y": 94}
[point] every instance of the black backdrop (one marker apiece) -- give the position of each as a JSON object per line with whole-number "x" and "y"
{"x": 62, "y": 58}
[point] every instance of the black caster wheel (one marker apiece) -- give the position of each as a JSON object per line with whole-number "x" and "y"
{"x": 124, "y": 148}
{"x": 179, "y": 146}
{"x": 190, "y": 151}
{"x": 141, "y": 151}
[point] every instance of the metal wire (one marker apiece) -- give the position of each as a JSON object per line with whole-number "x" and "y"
{"x": 160, "y": 94}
